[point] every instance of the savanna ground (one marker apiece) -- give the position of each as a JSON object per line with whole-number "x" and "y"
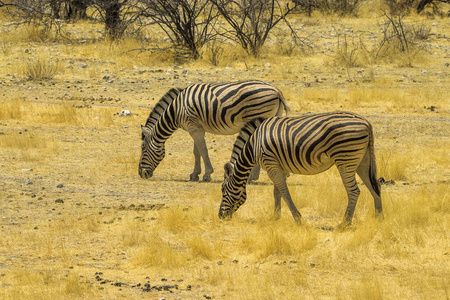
{"x": 78, "y": 222}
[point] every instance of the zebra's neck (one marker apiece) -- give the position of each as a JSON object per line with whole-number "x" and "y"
{"x": 243, "y": 137}
{"x": 162, "y": 106}
{"x": 166, "y": 125}
{"x": 244, "y": 163}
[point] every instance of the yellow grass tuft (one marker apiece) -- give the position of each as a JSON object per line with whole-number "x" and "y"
{"x": 40, "y": 69}
{"x": 157, "y": 252}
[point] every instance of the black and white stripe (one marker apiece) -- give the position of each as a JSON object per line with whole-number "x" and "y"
{"x": 215, "y": 108}
{"x": 305, "y": 145}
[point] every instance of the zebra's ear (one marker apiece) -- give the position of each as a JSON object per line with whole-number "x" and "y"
{"x": 228, "y": 169}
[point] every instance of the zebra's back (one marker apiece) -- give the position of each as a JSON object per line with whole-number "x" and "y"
{"x": 311, "y": 144}
{"x": 225, "y": 108}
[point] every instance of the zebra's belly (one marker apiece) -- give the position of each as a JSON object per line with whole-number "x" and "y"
{"x": 223, "y": 130}
{"x": 303, "y": 167}
{"x": 219, "y": 128}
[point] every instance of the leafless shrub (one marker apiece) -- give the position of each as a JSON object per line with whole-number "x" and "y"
{"x": 215, "y": 51}
{"x": 399, "y": 37}
{"x": 399, "y": 7}
{"x": 421, "y": 32}
{"x": 340, "y": 7}
{"x": 252, "y": 20}
{"x": 39, "y": 14}
{"x": 347, "y": 52}
{"x": 188, "y": 24}
{"x": 117, "y": 15}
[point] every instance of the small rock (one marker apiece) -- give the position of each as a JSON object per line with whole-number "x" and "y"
{"x": 28, "y": 182}
{"x": 106, "y": 76}
{"x": 59, "y": 201}
{"x": 60, "y": 186}
{"x": 125, "y": 113}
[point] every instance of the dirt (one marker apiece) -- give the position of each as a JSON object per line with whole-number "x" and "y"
{"x": 88, "y": 173}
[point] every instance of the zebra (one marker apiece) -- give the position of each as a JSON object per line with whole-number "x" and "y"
{"x": 307, "y": 145}
{"x": 215, "y": 108}
{"x": 239, "y": 144}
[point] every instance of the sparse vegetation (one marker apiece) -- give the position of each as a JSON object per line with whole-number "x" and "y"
{"x": 77, "y": 222}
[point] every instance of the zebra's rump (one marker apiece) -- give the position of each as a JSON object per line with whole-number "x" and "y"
{"x": 313, "y": 143}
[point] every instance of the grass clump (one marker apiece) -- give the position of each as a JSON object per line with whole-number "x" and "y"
{"x": 41, "y": 69}
{"x": 155, "y": 251}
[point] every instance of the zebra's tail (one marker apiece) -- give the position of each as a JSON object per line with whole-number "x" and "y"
{"x": 373, "y": 166}
{"x": 283, "y": 105}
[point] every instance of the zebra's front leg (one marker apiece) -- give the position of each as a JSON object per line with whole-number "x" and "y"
{"x": 277, "y": 209}
{"x": 197, "y": 165}
{"x": 254, "y": 174}
{"x": 278, "y": 177}
{"x": 198, "y": 134}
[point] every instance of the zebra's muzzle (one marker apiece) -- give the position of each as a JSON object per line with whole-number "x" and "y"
{"x": 145, "y": 173}
{"x": 225, "y": 215}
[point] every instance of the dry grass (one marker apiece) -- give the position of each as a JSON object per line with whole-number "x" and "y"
{"x": 78, "y": 222}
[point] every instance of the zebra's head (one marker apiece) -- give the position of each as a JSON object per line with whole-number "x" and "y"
{"x": 233, "y": 193}
{"x": 151, "y": 154}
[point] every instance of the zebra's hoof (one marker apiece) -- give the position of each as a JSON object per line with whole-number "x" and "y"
{"x": 343, "y": 226}
{"x": 206, "y": 178}
{"x": 252, "y": 179}
{"x": 194, "y": 177}
{"x": 298, "y": 220}
{"x": 275, "y": 217}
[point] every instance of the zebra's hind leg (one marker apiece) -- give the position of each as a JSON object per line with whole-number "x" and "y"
{"x": 197, "y": 165}
{"x": 371, "y": 182}
{"x": 277, "y": 209}
{"x": 278, "y": 177}
{"x": 351, "y": 186}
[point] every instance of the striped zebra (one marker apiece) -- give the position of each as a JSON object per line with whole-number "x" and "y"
{"x": 215, "y": 108}
{"x": 239, "y": 144}
{"x": 306, "y": 145}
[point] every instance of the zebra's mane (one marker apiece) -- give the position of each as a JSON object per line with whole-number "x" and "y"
{"x": 243, "y": 137}
{"x": 161, "y": 106}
